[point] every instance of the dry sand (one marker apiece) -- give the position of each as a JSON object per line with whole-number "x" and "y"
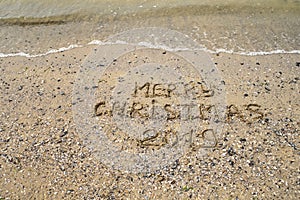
{"x": 43, "y": 157}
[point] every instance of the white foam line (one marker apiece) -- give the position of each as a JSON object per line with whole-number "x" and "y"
{"x": 255, "y": 53}
{"x": 149, "y": 45}
{"x": 270, "y": 52}
{"x": 22, "y": 54}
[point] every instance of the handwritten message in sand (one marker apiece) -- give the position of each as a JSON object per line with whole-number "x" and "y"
{"x": 155, "y": 101}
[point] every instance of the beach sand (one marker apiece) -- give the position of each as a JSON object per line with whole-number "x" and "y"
{"x": 43, "y": 157}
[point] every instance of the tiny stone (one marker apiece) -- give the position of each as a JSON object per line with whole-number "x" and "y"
{"x": 251, "y": 163}
{"x": 243, "y": 140}
{"x": 267, "y": 88}
{"x": 63, "y": 133}
{"x": 230, "y": 151}
{"x": 69, "y": 191}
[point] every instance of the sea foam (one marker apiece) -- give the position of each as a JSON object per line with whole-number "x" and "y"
{"x": 149, "y": 45}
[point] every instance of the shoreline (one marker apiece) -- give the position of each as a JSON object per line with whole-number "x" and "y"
{"x": 148, "y": 45}
{"x": 218, "y": 28}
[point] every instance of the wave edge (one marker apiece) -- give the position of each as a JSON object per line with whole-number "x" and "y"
{"x": 145, "y": 44}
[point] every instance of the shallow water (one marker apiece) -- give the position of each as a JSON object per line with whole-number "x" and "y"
{"x": 36, "y": 27}
{"x": 42, "y": 9}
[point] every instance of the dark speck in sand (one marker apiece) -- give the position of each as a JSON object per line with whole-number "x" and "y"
{"x": 267, "y": 88}
{"x": 251, "y": 163}
{"x": 230, "y": 151}
{"x": 298, "y": 64}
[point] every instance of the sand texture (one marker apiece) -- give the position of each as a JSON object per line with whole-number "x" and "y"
{"x": 43, "y": 157}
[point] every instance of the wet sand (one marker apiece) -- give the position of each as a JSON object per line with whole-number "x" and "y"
{"x": 235, "y": 26}
{"x": 43, "y": 157}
